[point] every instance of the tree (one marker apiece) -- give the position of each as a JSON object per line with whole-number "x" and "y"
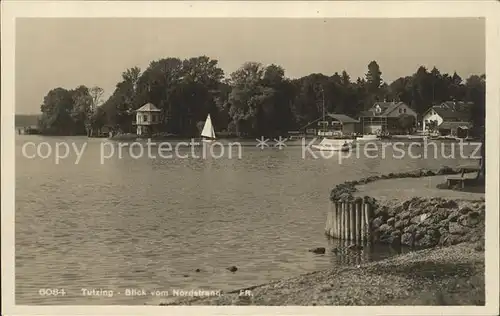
{"x": 432, "y": 125}
{"x": 476, "y": 93}
{"x": 96, "y": 95}
{"x": 245, "y": 97}
{"x": 255, "y": 100}
{"x": 373, "y": 77}
{"x": 372, "y": 85}
{"x": 59, "y": 113}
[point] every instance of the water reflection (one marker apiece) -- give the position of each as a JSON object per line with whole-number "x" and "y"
{"x": 342, "y": 252}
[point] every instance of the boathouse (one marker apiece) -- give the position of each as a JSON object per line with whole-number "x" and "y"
{"x": 331, "y": 125}
{"x": 385, "y": 117}
{"x": 448, "y": 118}
{"x": 147, "y": 120}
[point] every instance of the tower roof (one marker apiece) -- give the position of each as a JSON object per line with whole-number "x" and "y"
{"x": 148, "y": 107}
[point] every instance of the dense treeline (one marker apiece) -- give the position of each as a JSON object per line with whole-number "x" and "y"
{"x": 71, "y": 112}
{"x": 253, "y": 100}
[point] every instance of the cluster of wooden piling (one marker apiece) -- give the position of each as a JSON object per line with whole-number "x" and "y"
{"x": 349, "y": 220}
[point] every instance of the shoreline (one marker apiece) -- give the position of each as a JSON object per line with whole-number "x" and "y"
{"x": 452, "y": 275}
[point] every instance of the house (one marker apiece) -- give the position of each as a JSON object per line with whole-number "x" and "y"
{"x": 332, "y": 125}
{"x": 384, "y": 117}
{"x": 448, "y": 118}
{"x": 147, "y": 119}
{"x": 103, "y": 131}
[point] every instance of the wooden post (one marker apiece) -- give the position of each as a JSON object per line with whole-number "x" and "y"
{"x": 342, "y": 220}
{"x": 358, "y": 223}
{"x": 338, "y": 222}
{"x": 352, "y": 222}
{"x": 367, "y": 222}
{"x": 328, "y": 221}
{"x": 348, "y": 219}
{"x": 333, "y": 229}
{"x": 363, "y": 225}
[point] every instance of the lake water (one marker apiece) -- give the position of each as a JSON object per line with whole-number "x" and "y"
{"x": 150, "y": 223}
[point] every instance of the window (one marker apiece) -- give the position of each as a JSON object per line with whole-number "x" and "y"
{"x": 145, "y": 118}
{"x": 400, "y": 111}
{"x": 153, "y": 118}
{"x": 404, "y": 110}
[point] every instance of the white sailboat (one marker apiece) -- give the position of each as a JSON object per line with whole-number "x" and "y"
{"x": 208, "y": 133}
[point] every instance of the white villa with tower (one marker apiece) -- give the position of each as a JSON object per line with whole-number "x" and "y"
{"x": 147, "y": 119}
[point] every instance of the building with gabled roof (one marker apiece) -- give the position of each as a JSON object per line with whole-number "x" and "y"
{"x": 383, "y": 117}
{"x": 448, "y": 118}
{"x": 333, "y": 124}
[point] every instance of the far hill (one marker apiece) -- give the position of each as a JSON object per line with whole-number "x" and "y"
{"x": 25, "y": 120}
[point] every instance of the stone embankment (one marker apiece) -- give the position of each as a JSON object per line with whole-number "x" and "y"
{"x": 419, "y": 222}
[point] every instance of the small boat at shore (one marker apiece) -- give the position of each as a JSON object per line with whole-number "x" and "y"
{"x": 367, "y": 138}
{"x": 122, "y": 137}
{"x": 334, "y": 145}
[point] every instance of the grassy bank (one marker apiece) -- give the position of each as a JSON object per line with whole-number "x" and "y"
{"x": 441, "y": 276}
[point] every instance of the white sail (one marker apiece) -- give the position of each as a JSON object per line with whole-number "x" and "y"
{"x": 208, "y": 129}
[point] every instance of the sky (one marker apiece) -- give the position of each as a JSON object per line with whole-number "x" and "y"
{"x": 68, "y": 52}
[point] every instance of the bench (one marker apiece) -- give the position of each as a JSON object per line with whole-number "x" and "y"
{"x": 460, "y": 180}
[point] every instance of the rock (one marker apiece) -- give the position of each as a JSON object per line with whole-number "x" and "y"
{"x": 393, "y": 240}
{"x": 427, "y": 173}
{"x": 405, "y": 215}
{"x": 354, "y": 247}
{"x": 384, "y": 228}
{"x": 391, "y": 221}
{"x": 415, "y": 174}
{"x": 342, "y": 191}
{"x": 377, "y": 222}
{"x": 449, "y": 240}
{"x": 464, "y": 210}
{"x": 454, "y": 216}
{"x": 456, "y": 229}
{"x": 319, "y": 250}
{"x": 406, "y": 204}
{"x": 479, "y": 247}
{"x": 441, "y": 213}
{"x": 393, "y": 211}
{"x": 433, "y": 219}
{"x": 427, "y": 241}
{"x": 197, "y": 270}
{"x": 407, "y": 239}
{"x": 383, "y": 212}
{"x": 445, "y": 170}
{"x": 234, "y": 268}
{"x": 415, "y": 219}
{"x": 444, "y": 223}
{"x": 443, "y": 231}
{"x": 470, "y": 220}
{"x": 420, "y": 233}
{"x": 447, "y": 204}
{"x": 186, "y": 275}
{"x": 410, "y": 229}
{"x": 401, "y": 224}
{"x": 396, "y": 233}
